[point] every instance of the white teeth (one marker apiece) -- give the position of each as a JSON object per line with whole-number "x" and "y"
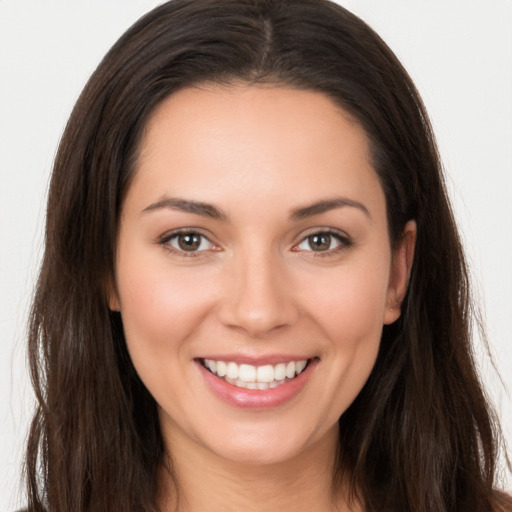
{"x": 290, "y": 370}
{"x": 232, "y": 371}
{"x": 255, "y": 377}
{"x": 247, "y": 373}
{"x": 299, "y": 366}
{"x": 222, "y": 368}
{"x": 280, "y": 371}
{"x": 265, "y": 373}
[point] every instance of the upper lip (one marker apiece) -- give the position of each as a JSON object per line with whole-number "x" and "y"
{"x": 259, "y": 360}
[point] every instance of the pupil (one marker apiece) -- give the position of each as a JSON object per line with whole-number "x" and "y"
{"x": 320, "y": 242}
{"x": 189, "y": 241}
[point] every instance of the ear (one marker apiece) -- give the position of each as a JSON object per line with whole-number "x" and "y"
{"x": 112, "y": 296}
{"x": 401, "y": 264}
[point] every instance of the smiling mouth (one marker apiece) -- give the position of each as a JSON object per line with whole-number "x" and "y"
{"x": 248, "y": 376}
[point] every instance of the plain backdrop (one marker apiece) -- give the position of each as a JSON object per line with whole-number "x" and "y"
{"x": 459, "y": 53}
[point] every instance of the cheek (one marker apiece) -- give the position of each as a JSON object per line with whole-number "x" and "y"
{"x": 160, "y": 307}
{"x": 349, "y": 309}
{"x": 350, "y": 304}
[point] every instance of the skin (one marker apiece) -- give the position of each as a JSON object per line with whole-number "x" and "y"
{"x": 255, "y": 286}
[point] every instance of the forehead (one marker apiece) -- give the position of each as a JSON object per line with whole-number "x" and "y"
{"x": 240, "y": 143}
{"x": 247, "y": 113}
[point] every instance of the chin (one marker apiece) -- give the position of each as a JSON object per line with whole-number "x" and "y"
{"x": 262, "y": 445}
{"x": 258, "y": 454}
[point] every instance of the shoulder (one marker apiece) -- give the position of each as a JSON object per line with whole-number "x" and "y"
{"x": 502, "y": 502}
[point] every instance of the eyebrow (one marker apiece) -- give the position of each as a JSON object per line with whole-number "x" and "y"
{"x": 188, "y": 206}
{"x": 214, "y": 212}
{"x": 327, "y": 204}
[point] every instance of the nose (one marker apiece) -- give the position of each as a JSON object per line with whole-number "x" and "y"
{"x": 258, "y": 296}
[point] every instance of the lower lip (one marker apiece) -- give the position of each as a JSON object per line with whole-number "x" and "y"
{"x": 254, "y": 398}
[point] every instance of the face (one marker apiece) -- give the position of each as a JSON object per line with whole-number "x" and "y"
{"x": 254, "y": 269}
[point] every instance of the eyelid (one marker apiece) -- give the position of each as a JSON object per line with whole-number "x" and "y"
{"x": 164, "y": 240}
{"x": 343, "y": 238}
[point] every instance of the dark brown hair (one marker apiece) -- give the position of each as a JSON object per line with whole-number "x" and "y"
{"x": 420, "y": 436}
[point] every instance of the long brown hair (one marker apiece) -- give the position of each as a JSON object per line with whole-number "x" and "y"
{"x": 420, "y": 436}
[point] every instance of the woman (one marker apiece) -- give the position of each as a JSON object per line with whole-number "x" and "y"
{"x": 253, "y": 293}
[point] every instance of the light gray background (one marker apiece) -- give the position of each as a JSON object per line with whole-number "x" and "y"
{"x": 459, "y": 52}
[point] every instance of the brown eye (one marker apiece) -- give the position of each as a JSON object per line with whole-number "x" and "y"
{"x": 320, "y": 242}
{"x": 324, "y": 241}
{"x": 188, "y": 241}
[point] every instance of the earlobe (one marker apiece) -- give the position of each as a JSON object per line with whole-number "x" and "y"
{"x": 113, "y": 297}
{"x": 401, "y": 265}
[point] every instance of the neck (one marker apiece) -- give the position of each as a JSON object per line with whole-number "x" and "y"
{"x": 205, "y": 481}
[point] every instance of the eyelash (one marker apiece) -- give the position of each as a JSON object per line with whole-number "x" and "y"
{"x": 343, "y": 240}
{"x": 165, "y": 240}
